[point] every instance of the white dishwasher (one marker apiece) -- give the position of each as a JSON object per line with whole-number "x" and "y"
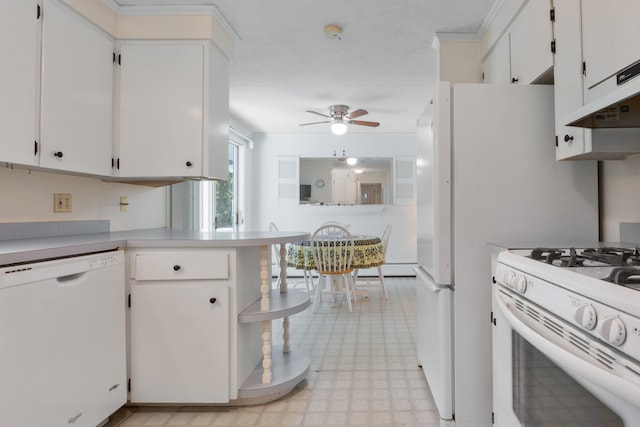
{"x": 62, "y": 341}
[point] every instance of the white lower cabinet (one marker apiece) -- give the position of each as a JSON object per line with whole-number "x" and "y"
{"x": 179, "y": 343}
{"x": 200, "y": 327}
{"x": 179, "y": 320}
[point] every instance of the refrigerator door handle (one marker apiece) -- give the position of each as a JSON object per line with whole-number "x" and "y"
{"x": 426, "y": 278}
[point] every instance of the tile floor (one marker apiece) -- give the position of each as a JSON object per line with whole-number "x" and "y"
{"x": 363, "y": 372}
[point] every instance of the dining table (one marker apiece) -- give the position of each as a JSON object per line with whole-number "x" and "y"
{"x": 367, "y": 252}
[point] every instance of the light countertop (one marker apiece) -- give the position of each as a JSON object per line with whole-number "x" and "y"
{"x": 25, "y": 250}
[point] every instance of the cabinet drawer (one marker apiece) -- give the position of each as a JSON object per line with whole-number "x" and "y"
{"x": 182, "y": 266}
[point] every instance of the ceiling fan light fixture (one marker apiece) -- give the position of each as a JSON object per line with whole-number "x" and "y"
{"x": 332, "y": 31}
{"x": 351, "y": 161}
{"x": 339, "y": 128}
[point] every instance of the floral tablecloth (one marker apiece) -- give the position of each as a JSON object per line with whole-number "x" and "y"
{"x": 368, "y": 253}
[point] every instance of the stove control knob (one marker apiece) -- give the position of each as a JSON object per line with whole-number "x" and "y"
{"x": 520, "y": 284}
{"x": 613, "y": 330}
{"x": 507, "y": 278}
{"x": 586, "y": 316}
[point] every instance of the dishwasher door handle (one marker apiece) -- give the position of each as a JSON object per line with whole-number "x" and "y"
{"x": 68, "y": 279}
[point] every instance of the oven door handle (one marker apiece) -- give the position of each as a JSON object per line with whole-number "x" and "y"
{"x": 567, "y": 357}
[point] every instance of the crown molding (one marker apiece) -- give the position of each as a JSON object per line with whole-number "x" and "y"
{"x": 488, "y": 20}
{"x": 161, "y": 10}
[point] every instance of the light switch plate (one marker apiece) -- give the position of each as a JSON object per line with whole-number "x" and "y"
{"x": 61, "y": 202}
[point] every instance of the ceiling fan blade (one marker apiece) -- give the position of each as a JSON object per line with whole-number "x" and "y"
{"x": 364, "y": 123}
{"x": 314, "y": 123}
{"x": 357, "y": 113}
{"x": 319, "y": 114}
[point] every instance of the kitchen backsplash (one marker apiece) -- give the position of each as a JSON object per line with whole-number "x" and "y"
{"x": 27, "y": 196}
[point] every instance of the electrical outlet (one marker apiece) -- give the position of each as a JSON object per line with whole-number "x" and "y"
{"x": 124, "y": 203}
{"x": 61, "y": 202}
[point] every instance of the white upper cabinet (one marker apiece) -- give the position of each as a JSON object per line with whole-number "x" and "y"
{"x": 496, "y": 66}
{"x": 610, "y": 35}
{"x": 77, "y": 93}
{"x": 172, "y": 111}
{"x": 19, "y": 43}
{"x": 575, "y": 142}
{"x": 531, "y": 38}
{"x": 568, "y": 78}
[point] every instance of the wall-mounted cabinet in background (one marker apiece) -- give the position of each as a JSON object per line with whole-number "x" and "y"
{"x": 64, "y": 123}
{"x": 524, "y": 54}
{"x": 531, "y": 43}
{"x": 172, "y": 111}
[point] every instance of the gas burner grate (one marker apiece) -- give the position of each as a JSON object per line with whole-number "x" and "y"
{"x": 625, "y": 276}
{"x": 613, "y": 256}
{"x": 547, "y": 255}
{"x": 605, "y": 256}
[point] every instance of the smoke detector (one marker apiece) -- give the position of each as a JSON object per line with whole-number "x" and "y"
{"x": 332, "y": 31}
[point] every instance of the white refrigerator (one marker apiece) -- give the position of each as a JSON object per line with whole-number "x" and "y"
{"x": 486, "y": 173}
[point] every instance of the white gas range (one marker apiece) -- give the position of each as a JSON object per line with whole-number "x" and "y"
{"x": 567, "y": 336}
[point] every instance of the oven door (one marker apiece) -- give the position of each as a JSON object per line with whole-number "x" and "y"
{"x": 542, "y": 378}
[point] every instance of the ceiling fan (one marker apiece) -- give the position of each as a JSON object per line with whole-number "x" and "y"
{"x": 339, "y": 117}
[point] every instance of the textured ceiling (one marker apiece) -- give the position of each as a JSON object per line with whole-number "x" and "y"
{"x": 384, "y": 63}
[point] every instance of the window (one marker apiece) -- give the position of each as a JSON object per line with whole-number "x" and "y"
{"x": 226, "y": 196}
{"x": 207, "y": 205}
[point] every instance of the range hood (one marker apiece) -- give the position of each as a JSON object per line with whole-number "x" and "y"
{"x": 618, "y": 108}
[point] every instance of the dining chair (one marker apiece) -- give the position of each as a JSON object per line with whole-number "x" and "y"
{"x": 335, "y": 223}
{"x": 308, "y": 280}
{"x": 332, "y": 250}
{"x": 379, "y": 281}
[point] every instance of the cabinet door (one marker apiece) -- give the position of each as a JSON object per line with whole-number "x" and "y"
{"x": 179, "y": 343}
{"x": 567, "y": 71}
{"x": 19, "y": 75}
{"x": 77, "y": 93}
{"x": 610, "y": 34}
{"x": 495, "y": 67}
{"x": 161, "y": 109}
{"x": 531, "y": 36}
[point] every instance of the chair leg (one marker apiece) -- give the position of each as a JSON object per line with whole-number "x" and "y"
{"x": 347, "y": 287}
{"x": 308, "y": 278}
{"x": 276, "y": 284}
{"x": 317, "y": 297}
{"x": 382, "y": 282}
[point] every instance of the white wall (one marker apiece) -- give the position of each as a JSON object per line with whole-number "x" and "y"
{"x": 363, "y": 219}
{"x": 620, "y": 186}
{"x": 28, "y": 197}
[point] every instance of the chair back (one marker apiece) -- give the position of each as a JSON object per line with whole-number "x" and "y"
{"x": 335, "y": 223}
{"x": 385, "y": 240}
{"x": 332, "y": 249}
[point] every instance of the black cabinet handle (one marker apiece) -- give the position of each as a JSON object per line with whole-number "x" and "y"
{"x": 514, "y": 80}
{"x": 176, "y": 267}
{"x": 212, "y": 300}
{"x": 189, "y": 164}
{"x": 568, "y": 138}
{"x": 58, "y": 154}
